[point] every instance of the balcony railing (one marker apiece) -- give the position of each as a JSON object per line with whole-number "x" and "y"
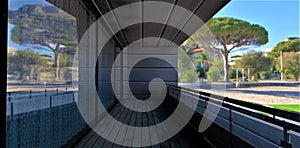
{"x": 258, "y": 125}
{"x": 42, "y": 119}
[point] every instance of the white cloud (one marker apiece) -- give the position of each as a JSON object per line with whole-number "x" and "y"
{"x": 268, "y": 50}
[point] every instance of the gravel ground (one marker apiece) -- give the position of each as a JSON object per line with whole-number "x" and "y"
{"x": 260, "y": 94}
{"x": 264, "y": 94}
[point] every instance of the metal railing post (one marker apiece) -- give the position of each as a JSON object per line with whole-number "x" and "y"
{"x": 9, "y": 98}
{"x": 230, "y": 125}
{"x": 73, "y": 97}
{"x": 285, "y": 143}
{"x": 11, "y": 109}
{"x": 50, "y": 101}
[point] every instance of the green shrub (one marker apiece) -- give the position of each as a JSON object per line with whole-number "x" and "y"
{"x": 265, "y": 75}
{"x": 187, "y": 76}
{"x": 232, "y": 73}
{"x": 186, "y": 70}
{"x": 214, "y": 74}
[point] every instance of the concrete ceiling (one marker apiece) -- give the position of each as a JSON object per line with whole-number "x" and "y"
{"x": 204, "y": 9}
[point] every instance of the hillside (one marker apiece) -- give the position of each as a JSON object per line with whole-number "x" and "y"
{"x": 32, "y": 21}
{"x": 26, "y": 9}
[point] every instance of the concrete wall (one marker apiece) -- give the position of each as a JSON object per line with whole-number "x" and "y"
{"x": 141, "y": 66}
{"x": 95, "y": 73}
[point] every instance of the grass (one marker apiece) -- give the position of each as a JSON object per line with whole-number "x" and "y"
{"x": 287, "y": 107}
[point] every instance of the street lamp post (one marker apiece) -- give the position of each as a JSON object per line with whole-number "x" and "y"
{"x": 237, "y": 74}
{"x": 237, "y": 78}
{"x": 281, "y": 66}
{"x": 248, "y": 73}
{"x": 243, "y": 78}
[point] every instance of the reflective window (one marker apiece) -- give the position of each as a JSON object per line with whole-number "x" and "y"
{"x": 41, "y": 79}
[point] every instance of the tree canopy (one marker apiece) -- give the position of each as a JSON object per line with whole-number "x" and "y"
{"x": 291, "y": 65}
{"x": 237, "y": 33}
{"x": 256, "y": 61}
{"x": 285, "y": 46}
{"x": 24, "y": 62}
{"x": 230, "y": 35}
{"x": 46, "y": 28}
{"x": 186, "y": 69}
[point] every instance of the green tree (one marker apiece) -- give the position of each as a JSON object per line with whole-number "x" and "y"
{"x": 201, "y": 62}
{"x": 186, "y": 69}
{"x": 25, "y": 62}
{"x": 285, "y": 46}
{"x": 66, "y": 60}
{"x": 214, "y": 74}
{"x": 47, "y": 31}
{"x": 232, "y": 73}
{"x": 290, "y": 63}
{"x": 230, "y": 35}
{"x": 256, "y": 61}
{"x": 215, "y": 70}
{"x": 265, "y": 75}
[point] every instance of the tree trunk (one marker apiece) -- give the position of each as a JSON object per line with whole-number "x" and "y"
{"x": 226, "y": 75}
{"x": 31, "y": 72}
{"x": 205, "y": 66}
{"x": 296, "y": 77}
{"x": 56, "y": 64}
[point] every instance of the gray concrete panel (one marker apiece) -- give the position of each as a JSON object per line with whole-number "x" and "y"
{"x": 261, "y": 128}
{"x": 251, "y": 138}
{"x": 295, "y": 139}
{"x": 147, "y": 74}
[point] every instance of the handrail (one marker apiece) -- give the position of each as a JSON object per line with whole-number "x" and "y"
{"x": 241, "y": 106}
{"x": 30, "y": 94}
{"x": 49, "y": 98}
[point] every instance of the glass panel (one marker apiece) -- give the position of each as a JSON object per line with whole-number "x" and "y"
{"x": 41, "y": 79}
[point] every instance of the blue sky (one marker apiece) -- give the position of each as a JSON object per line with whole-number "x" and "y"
{"x": 279, "y": 17}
